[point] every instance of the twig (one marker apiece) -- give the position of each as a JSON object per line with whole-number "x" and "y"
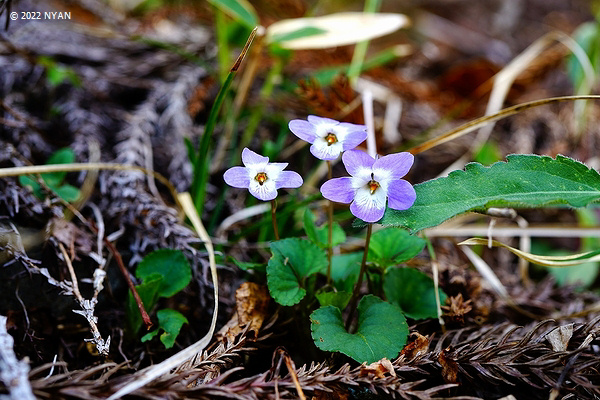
{"x": 125, "y": 273}
{"x": 87, "y": 306}
{"x": 292, "y": 370}
{"x": 12, "y": 371}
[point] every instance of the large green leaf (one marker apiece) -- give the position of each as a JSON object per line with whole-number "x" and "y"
{"x": 381, "y": 332}
{"x": 412, "y": 291}
{"x": 171, "y": 265}
{"x": 392, "y": 246}
{"x": 293, "y": 260}
{"x": 522, "y": 181}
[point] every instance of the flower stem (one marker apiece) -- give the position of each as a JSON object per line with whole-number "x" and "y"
{"x": 274, "y": 218}
{"x": 363, "y": 268}
{"x": 329, "y": 227}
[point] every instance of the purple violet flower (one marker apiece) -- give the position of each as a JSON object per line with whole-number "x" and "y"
{"x": 329, "y": 138}
{"x": 371, "y": 183}
{"x": 261, "y": 177}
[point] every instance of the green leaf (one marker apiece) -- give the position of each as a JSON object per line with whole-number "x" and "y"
{"x": 345, "y": 269}
{"x": 239, "y": 10}
{"x": 381, "y": 331}
{"x": 587, "y": 35}
{"x": 148, "y": 292}
{"x": 488, "y": 154}
{"x": 392, "y": 246}
{"x": 170, "y": 321}
{"x": 171, "y": 265}
{"x": 336, "y": 299}
{"x": 583, "y": 274}
{"x": 67, "y": 192}
{"x": 319, "y": 234}
{"x": 522, "y": 181}
{"x": 63, "y": 156}
{"x": 412, "y": 291}
{"x": 293, "y": 260}
{"x": 25, "y": 180}
{"x": 191, "y": 151}
{"x": 247, "y": 265}
{"x": 55, "y": 180}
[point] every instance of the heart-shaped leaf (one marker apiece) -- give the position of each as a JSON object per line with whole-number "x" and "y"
{"x": 412, "y": 291}
{"x": 293, "y": 260}
{"x": 392, "y": 246}
{"x": 381, "y": 331}
{"x": 171, "y": 265}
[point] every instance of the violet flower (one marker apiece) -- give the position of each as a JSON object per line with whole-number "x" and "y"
{"x": 261, "y": 177}
{"x": 371, "y": 183}
{"x": 329, "y": 138}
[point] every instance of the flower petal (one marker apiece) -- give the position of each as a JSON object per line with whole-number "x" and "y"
{"x": 237, "y": 177}
{"x": 353, "y": 139}
{"x": 313, "y": 119}
{"x": 393, "y": 166}
{"x": 357, "y": 162}
{"x": 274, "y": 170}
{"x": 368, "y": 207}
{"x": 323, "y": 151}
{"x": 251, "y": 158}
{"x": 401, "y": 195}
{"x": 353, "y": 127}
{"x": 289, "y": 180}
{"x": 339, "y": 190}
{"x": 303, "y": 129}
{"x": 265, "y": 192}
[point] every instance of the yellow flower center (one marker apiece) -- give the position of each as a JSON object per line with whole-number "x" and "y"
{"x": 373, "y": 186}
{"x": 331, "y": 139}
{"x": 261, "y": 177}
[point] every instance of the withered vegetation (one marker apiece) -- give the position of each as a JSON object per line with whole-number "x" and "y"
{"x": 133, "y": 101}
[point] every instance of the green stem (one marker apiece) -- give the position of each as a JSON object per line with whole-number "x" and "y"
{"x": 329, "y": 227}
{"x": 274, "y": 218}
{"x": 360, "y": 50}
{"x": 202, "y": 165}
{"x": 363, "y": 268}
